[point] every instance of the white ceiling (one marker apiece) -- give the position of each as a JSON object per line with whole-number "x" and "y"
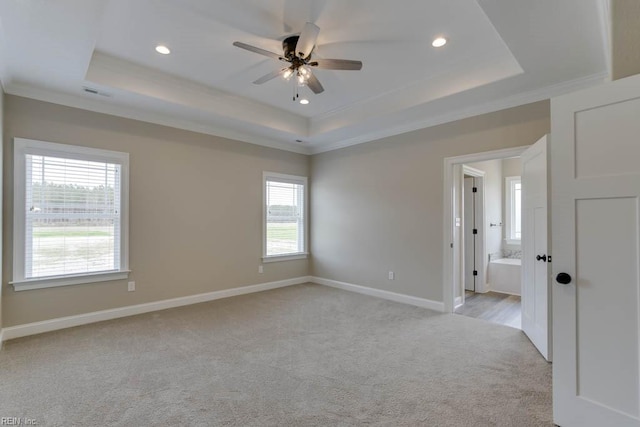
{"x": 501, "y": 53}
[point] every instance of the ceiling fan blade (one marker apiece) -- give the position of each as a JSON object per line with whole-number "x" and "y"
{"x": 336, "y": 64}
{"x": 314, "y": 84}
{"x": 269, "y": 76}
{"x": 258, "y": 50}
{"x": 307, "y": 40}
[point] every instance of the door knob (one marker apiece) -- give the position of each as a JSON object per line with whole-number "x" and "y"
{"x": 563, "y": 278}
{"x": 541, "y": 258}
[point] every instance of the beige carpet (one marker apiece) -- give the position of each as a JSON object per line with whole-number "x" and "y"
{"x": 303, "y": 355}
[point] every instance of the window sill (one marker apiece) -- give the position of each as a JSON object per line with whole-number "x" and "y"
{"x": 290, "y": 257}
{"x": 51, "y": 282}
{"x": 513, "y": 242}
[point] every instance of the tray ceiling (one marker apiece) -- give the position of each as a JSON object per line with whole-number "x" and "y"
{"x": 500, "y": 53}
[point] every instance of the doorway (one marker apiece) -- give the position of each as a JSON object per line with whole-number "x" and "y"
{"x": 491, "y": 241}
{"x": 532, "y": 190}
{"x": 452, "y": 220}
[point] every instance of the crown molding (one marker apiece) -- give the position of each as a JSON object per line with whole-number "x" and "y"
{"x": 74, "y": 101}
{"x": 488, "y": 107}
{"x": 486, "y": 70}
{"x": 115, "y": 73}
{"x": 167, "y": 120}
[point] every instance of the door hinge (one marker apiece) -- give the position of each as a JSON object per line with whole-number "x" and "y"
{"x": 475, "y": 272}
{"x": 451, "y": 245}
{"x": 475, "y": 189}
{"x": 475, "y": 231}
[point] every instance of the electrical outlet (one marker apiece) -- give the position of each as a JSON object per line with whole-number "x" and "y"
{"x": 260, "y": 269}
{"x": 392, "y": 275}
{"x": 132, "y": 286}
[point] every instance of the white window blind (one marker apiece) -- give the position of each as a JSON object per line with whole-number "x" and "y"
{"x": 285, "y": 215}
{"x": 70, "y": 214}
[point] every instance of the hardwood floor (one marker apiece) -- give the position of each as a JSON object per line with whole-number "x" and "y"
{"x": 492, "y": 306}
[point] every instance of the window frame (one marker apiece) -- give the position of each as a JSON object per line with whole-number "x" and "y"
{"x": 291, "y": 179}
{"x": 23, "y": 147}
{"x": 510, "y": 182}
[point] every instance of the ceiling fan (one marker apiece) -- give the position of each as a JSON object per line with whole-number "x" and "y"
{"x": 297, "y": 52}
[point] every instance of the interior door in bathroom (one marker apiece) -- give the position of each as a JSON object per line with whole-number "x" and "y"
{"x": 469, "y": 236}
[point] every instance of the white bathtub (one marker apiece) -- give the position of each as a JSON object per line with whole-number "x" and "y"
{"x": 505, "y": 275}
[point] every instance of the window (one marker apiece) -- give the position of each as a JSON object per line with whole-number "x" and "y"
{"x": 513, "y": 209}
{"x": 70, "y": 215}
{"x": 285, "y": 217}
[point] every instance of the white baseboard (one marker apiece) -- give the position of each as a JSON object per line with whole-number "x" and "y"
{"x": 457, "y": 302}
{"x": 392, "y": 296}
{"x": 34, "y": 328}
{"x": 98, "y": 316}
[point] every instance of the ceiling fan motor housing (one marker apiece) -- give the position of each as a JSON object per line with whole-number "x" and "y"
{"x": 289, "y": 46}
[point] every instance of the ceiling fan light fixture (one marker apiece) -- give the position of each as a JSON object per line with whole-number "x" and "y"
{"x": 302, "y": 80}
{"x": 287, "y": 74}
{"x": 439, "y": 42}
{"x": 162, "y": 49}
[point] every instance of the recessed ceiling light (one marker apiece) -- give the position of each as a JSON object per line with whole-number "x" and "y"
{"x": 439, "y": 42}
{"x": 163, "y": 49}
{"x": 304, "y": 101}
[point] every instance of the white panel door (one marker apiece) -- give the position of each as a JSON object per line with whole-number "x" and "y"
{"x": 595, "y": 171}
{"x": 535, "y": 268}
{"x": 469, "y": 237}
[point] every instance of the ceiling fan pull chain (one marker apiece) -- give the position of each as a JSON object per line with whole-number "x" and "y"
{"x": 296, "y": 95}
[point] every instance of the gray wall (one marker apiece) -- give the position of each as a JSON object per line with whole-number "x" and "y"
{"x": 195, "y": 210}
{"x": 625, "y": 34}
{"x": 512, "y": 167}
{"x": 378, "y": 206}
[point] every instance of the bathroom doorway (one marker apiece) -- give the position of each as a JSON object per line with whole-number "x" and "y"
{"x": 491, "y": 226}
{"x": 487, "y": 214}
{"x": 521, "y": 230}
